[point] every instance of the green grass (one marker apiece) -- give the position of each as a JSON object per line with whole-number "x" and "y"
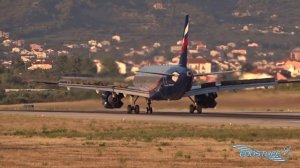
{"x": 165, "y": 131}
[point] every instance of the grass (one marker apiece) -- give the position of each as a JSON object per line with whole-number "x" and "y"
{"x": 165, "y": 131}
{"x": 29, "y": 126}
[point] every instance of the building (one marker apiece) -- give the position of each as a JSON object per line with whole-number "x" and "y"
{"x": 253, "y": 45}
{"x": 293, "y": 67}
{"x": 36, "y": 47}
{"x": 295, "y": 54}
{"x": 117, "y": 38}
{"x": 199, "y": 65}
{"x": 92, "y": 42}
{"x": 122, "y": 67}
{"x": 240, "y": 52}
{"x": 175, "y": 49}
{"x": 4, "y": 34}
{"x": 40, "y": 65}
{"x": 98, "y": 65}
{"x": 40, "y": 55}
{"x": 6, "y": 43}
{"x": 158, "y": 6}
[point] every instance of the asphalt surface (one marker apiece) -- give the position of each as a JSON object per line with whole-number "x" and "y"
{"x": 265, "y": 119}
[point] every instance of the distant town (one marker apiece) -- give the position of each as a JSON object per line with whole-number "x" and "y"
{"x": 202, "y": 59}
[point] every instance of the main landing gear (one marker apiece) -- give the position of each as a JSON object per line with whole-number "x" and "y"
{"x": 133, "y": 108}
{"x": 195, "y": 107}
{"x": 149, "y": 108}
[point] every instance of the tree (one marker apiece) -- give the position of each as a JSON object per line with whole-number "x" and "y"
{"x": 18, "y": 65}
{"x": 60, "y": 65}
{"x": 87, "y": 67}
{"x": 109, "y": 67}
{"x": 75, "y": 63}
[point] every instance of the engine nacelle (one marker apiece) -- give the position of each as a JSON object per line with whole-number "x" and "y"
{"x": 110, "y": 100}
{"x": 206, "y": 100}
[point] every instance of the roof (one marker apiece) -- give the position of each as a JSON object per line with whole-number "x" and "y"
{"x": 197, "y": 61}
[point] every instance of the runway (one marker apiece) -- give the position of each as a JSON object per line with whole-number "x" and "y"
{"x": 262, "y": 119}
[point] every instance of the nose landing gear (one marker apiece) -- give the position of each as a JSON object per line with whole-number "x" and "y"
{"x": 195, "y": 107}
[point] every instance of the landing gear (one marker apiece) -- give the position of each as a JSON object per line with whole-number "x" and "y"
{"x": 149, "y": 108}
{"x": 133, "y": 108}
{"x": 194, "y": 107}
{"x": 136, "y": 109}
{"x": 129, "y": 109}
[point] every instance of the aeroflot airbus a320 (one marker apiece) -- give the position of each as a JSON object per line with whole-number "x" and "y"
{"x": 170, "y": 83}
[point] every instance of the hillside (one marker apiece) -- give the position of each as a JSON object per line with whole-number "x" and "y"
{"x": 214, "y": 22}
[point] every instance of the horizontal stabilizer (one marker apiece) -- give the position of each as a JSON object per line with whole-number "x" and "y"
{"x": 155, "y": 73}
{"x": 214, "y": 73}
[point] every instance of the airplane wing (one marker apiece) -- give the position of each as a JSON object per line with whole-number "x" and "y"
{"x": 134, "y": 91}
{"x": 235, "y": 85}
{"x": 195, "y": 75}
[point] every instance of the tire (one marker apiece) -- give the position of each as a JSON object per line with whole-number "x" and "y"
{"x": 192, "y": 108}
{"x": 137, "y": 109}
{"x": 199, "y": 109}
{"x": 129, "y": 109}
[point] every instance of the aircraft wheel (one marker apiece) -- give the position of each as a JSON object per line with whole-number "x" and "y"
{"x": 129, "y": 109}
{"x": 137, "y": 109}
{"x": 199, "y": 109}
{"x": 150, "y": 110}
{"x": 192, "y": 108}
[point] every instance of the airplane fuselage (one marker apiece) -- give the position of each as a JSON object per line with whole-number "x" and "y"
{"x": 165, "y": 87}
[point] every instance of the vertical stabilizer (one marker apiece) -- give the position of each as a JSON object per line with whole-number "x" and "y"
{"x": 185, "y": 42}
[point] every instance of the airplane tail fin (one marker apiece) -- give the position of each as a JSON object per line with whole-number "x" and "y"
{"x": 185, "y": 42}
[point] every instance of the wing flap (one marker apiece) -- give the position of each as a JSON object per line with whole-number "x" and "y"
{"x": 231, "y": 85}
{"x": 126, "y": 90}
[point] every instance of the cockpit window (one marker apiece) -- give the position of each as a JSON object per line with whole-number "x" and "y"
{"x": 175, "y": 76}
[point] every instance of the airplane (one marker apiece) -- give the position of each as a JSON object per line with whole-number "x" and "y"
{"x": 170, "y": 82}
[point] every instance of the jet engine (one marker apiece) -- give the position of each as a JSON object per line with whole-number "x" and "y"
{"x": 111, "y": 100}
{"x": 206, "y": 100}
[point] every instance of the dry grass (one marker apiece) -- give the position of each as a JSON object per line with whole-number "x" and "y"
{"x": 64, "y": 152}
{"x": 52, "y": 147}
